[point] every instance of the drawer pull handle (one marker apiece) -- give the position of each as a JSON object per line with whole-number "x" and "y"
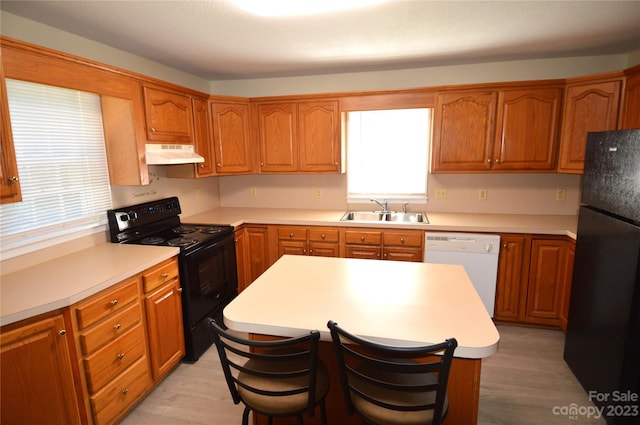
{"x": 121, "y": 356}
{"x": 117, "y": 326}
{"x": 402, "y": 240}
{"x": 291, "y": 235}
{"x": 323, "y": 236}
{"x": 362, "y": 238}
{"x": 164, "y": 275}
{"x": 125, "y": 391}
{"x": 180, "y": 289}
{"x": 114, "y": 302}
{"x": 62, "y": 332}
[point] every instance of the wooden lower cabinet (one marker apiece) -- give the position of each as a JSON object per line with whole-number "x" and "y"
{"x": 113, "y": 353}
{"x": 37, "y": 379}
{"x": 533, "y": 275}
{"x": 377, "y": 244}
{"x": 256, "y": 251}
{"x": 314, "y": 241}
{"x": 163, "y": 305}
{"x": 568, "y": 279}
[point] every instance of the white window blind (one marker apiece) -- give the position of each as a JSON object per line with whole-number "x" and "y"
{"x": 387, "y": 154}
{"x": 59, "y": 145}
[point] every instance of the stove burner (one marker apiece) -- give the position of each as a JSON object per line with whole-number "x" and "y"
{"x": 182, "y": 242}
{"x": 210, "y": 230}
{"x": 153, "y": 240}
{"x": 183, "y": 230}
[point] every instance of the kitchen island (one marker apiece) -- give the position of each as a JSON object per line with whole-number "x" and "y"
{"x": 394, "y": 302}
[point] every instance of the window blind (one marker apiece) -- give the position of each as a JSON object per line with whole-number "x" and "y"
{"x": 387, "y": 154}
{"x": 60, "y": 151}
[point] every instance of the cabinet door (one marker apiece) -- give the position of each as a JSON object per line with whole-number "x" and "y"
{"x": 567, "y": 282}
{"x": 292, "y": 248}
{"x": 546, "y": 277}
{"x": 463, "y": 131}
{"x": 372, "y": 252}
{"x": 202, "y": 136}
{"x": 37, "y": 381}
{"x": 168, "y": 116}
{"x": 166, "y": 334}
{"x": 231, "y": 140}
{"x": 319, "y": 136}
{"x": 631, "y": 111}
{"x": 258, "y": 244}
{"x": 241, "y": 259}
{"x": 277, "y": 136}
{"x": 397, "y": 253}
{"x": 587, "y": 107}
{"x": 324, "y": 249}
{"x": 9, "y": 181}
{"x": 512, "y": 270}
{"x": 527, "y": 129}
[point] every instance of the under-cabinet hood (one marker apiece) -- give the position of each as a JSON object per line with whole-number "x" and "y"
{"x": 163, "y": 154}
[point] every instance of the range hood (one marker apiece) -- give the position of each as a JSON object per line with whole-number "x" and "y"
{"x": 163, "y": 154}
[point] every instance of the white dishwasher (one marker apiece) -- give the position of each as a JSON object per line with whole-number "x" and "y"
{"x": 478, "y": 253}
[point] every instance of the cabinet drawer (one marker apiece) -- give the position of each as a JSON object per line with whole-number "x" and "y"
{"x": 111, "y": 328}
{"x": 114, "y": 358}
{"x": 120, "y": 393}
{"x": 160, "y": 274}
{"x": 89, "y": 312}
{"x": 292, "y": 233}
{"x": 403, "y": 238}
{"x": 324, "y": 235}
{"x": 363, "y": 251}
{"x": 365, "y": 237}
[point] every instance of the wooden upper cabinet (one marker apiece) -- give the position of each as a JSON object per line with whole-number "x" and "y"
{"x": 169, "y": 116}
{"x": 319, "y": 136}
{"x": 231, "y": 137}
{"x": 202, "y": 138}
{"x": 631, "y": 108}
{"x": 527, "y": 129}
{"x": 278, "y": 137}
{"x": 463, "y": 131}
{"x": 9, "y": 181}
{"x": 589, "y": 105}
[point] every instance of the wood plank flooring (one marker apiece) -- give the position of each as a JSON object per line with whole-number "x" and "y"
{"x": 521, "y": 384}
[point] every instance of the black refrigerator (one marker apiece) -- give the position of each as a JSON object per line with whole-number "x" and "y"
{"x": 602, "y": 345}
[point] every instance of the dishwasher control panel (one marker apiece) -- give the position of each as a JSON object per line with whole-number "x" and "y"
{"x": 463, "y": 242}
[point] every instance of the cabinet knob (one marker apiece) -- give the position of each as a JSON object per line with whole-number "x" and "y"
{"x": 117, "y": 326}
{"x": 402, "y": 241}
{"x": 505, "y": 246}
{"x": 62, "y": 332}
{"x": 125, "y": 391}
{"x": 200, "y": 165}
{"x": 121, "y": 356}
{"x": 114, "y": 302}
{"x": 362, "y": 238}
{"x": 219, "y": 164}
{"x": 497, "y": 160}
{"x": 489, "y": 160}
{"x": 153, "y": 129}
{"x": 180, "y": 289}
{"x": 13, "y": 179}
{"x": 291, "y": 235}
{"x": 164, "y": 275}
{"x": 323, "y": 236}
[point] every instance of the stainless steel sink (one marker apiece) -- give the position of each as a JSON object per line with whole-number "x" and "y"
{"x": 408, "y": 217}
{"x": 389, "y": 217}
{"x": 362, "y": 216}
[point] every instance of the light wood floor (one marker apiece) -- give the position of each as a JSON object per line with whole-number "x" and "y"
{"x": 521, "y": 384}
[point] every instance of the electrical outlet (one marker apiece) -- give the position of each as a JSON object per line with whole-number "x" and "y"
{"x": 561, "y": 194}
{"x": 482, "y": 194}
{"x": 441, "y": 193}
{"x": 253, "y": 192}
{"x": 318, "y": 193}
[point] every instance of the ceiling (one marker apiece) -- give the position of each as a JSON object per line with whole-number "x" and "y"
{"x": 217, "y": 41}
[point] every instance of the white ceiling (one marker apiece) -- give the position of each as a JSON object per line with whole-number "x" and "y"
{"x": 217, "y": 41}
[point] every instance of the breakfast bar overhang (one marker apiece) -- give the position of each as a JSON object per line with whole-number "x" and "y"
{"x": 399, "y": 303}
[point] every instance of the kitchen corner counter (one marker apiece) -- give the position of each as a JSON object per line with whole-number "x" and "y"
{"x": 71, "y": 278}
{"x": 565, "y": 225}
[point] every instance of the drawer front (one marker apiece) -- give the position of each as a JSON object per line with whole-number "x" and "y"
{"x": 363, "y": 251}
{"x": 100, "y": 306}
{"x": 403, "y": 238}
{"x": 324, "y": 235}
{"x": 364, "y": 237}
{"x": 159, "y": 275}
{"x": 120, "y": 393}
{"x": 293, "y": 233}
{"x": 111, "y": 328}
{"x": 114, "y": 358}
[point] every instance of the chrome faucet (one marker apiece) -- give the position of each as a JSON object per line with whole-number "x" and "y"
{"x": 382, "y": 204}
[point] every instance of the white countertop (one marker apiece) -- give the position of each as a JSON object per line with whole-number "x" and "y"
{"x": 447, "y": 222}
{"x": 66, "y": 280}
{"x": 390, "y": 301}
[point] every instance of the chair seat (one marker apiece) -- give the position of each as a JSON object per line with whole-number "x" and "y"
{"x": 383, "y": 416}
{"x": 280, "y": 405}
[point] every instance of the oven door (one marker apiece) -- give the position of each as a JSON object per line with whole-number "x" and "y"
{"x": 209, "y": 279}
